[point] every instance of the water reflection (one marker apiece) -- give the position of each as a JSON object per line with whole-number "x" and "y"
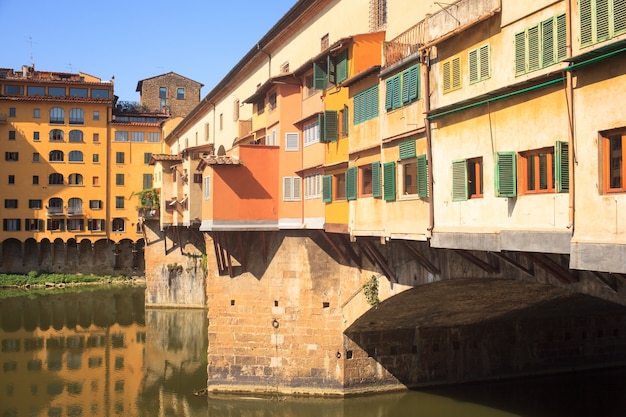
{"x": 99, "y": 353}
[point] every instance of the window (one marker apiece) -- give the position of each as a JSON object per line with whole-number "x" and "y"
{"x": 56, "y": 91}
{"x": 365, "y": 180}
{"x": 414, "y": 170}
{"x": 75, "y": 156}
{"x": 10, "y": 203}
{"x": 292, "y": 142}
{"x": 329, "y": 121}
{"x": 33, "y": 225}
{"x": 35, "y": 179}
{"x": 601, "y": 20}
{"x": 11, "y": 225}
{"x": 35, "y": 90}
{"x": 311, "y": 133}
{"x": 614, "y": 162}
{"x": 366, "y": 105}
{"x": 36, "y": 113}
{"x": 11, "y": 179}
{"x": 119, "y": 157}
{"x": 324, "y": 42}
{"x": 351, "y": 183}
{"x": 291, "y": 189}
{"x": 35, "y": 204}
{"x": 36, "y": 136}
{"x": 154, "y": 136}
{"x": 221, "y": 121}
{"x": 77, "y": 116}
{"x": 402, "y": 88}
{"x": 96, "y": 137}
{"x": 259, "y": 105}
{"x": 235, "y": 110}
{"x": 378, "y": 14}
{"x": 95, "y": 204}
{"x": 75, "y": 179}
{"x": 118, "y": 225}
{"x": 389, "y": 181}
{"x": 96, "y": 115}
{"x": 137, "y": 137}
{"x": 451, "y": 74}
{"x": 163, "y": 96}
{"x": 537, "y": 171}
{"x": 467, "y": 179}
{"x": 76, "y": 136}
{"x": 119, "y": 179}
{"x": 270, "y": 140}
{"x": 147, "y": 181}
{"x": 13, "y": 90}
{"x": 75, "y": 206}
{"x": 541, "y": 45}
{"x": 121, "y": 136}
{"x": 197, "y": 178}
{"x": 313, "y": 186}
{"x": 12, "y": 112}
{"x": 119, "y": 202}
{"x": 76, "y": 225}
{"x": 55, "y": 179}
{"x": 479, "y": 65}
{"x": 99, "y": 93}
{"x": 35, "y": 156}
{"x": 95, "y": 225}
{"x": 339, "y": 189}
{"x": 11, "y": 156}
{"x": 147, "y": 156}
{"x": 57, "y": 115}
{"x": 505, "y": 174}
{"x": 55, "y": 225}
{"x": 95, "y": 158}
{"x": 11, "y": 134}
{"x": 207, "y": 187}
{"x": 345, "y": 121}
{"x": 272, "y": 101}
{"x": 78, "y": 92}
{"x": 180, "y": 93}
{"x": 56, "y": 135}
{"x": 327, "y": 188}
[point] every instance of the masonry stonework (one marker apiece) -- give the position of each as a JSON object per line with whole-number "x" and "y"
{"x": 177, "y": 106}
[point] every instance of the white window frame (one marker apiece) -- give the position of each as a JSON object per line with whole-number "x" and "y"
{"x": 292, "y": 189}
{"x": 206, "y": 187}
{"x": 292, "y": 142}
{"x": 311, "y": 133}
{"x": 313, "y": 186}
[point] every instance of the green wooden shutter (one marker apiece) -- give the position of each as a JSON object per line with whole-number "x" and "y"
{"x": 505, "y": 174}
{"x": 422, "y": 176}
{"x": 561, "y": 37}
{"x": 414, "y": 85}
{"x": 534, "y": 49}
{"x": 82, "y": 224}
{"x": 345, "y": 121}
{"x": 396, "y": 92}
{"x": 602, "y": 20}
{"x": 319, "y": 76}
{"x": 48, "y": 224}
{"x": 147, "y": 181}
{"x": 342, "y": 66}
{"x": 327, "y": 188}
{"x": 409, "y": 85}
{"x": 102, "y": 224}
{"x": 561, "y": 166}
{"x": 619, "y": 17}
{"x": 389, "y": 94}
{"x": 459, "y": 180}
{"x": 548, "y": 43}
{"x": 520, "y": 53}
{"x": 40, "y": 225}
{"x": 351, "y": 183}
{"x": 389, "y": 181}
{"x": 473, "y": 65}
{"x": 586, "y": 23}
{"x": 331, "y": 125}
{"x": 407, "y": 149}
{"x": 447, "y": 76}
{"x": 372, "y": 102}
{"x": 146, "y": 157}
{"x": 322, "y": 127}
{"x": 376, "y": 179}
{"x": 90, "y": 224}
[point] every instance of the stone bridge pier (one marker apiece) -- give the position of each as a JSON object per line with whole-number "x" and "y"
{"x": 309, "y": 312}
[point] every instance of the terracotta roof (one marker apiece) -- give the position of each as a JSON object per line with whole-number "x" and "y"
{"x": 164, "y": 157}
{"x": 64, "y": 99}
{"x": 224, "y": 160}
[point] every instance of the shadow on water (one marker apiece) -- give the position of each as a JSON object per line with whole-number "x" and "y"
{"x": 100, "y": 353}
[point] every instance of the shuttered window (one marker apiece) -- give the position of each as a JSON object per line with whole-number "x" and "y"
{"x": 330, "y": 122}
{"x": 366, "y": 105}
{"x": 452, "y": 74}
{"x": 341, "y": 66}
{"x": 479, "y": 65}
{"x": 292, "y": 188}
{"x": 459, "y": 180}
{"x": 561, "y": 156}
{"x": 422, "y": 176}
{"x": 351, "y": 183}
{"x": 345, "y": 121}
{"x": 541, "y": 45}
{"x": 407, "y": 149}
{"x": 402, "y": 88}
{"x": 601, "y": 20}
{"x": 319, "y": 76}
{"x": 505, "y": 175}
{"x": 376, "y": 179}
{"x": 389, "y": 181}
{"x": 327, "y": 188}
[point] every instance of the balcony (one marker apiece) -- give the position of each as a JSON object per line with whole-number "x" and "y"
{"x": 148, "y": 213}
{"x": 3, "y": 118}
{"x": 405, "y": 44}
{"x": 74, "y": 211}
{"x": 55, "y": 211}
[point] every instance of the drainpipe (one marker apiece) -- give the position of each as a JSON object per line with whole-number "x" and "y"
{"x": 425, "y": 61}
{"x": 258, "y": 47}
{"x": 570, "y": 111}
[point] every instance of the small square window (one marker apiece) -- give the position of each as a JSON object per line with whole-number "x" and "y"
{"x": 11, "y": 134}
{"x": 12, "y": 111}
{"x": 35, "y": 179}
{"x": 11, "y": 179}
{"x": 96, "y": 115}
{"x": 96, "y": 137}
{"x": 180, "y": 93}
{"x": 95, "y": 158}
{"x": 36, "y": 136}
{"x": 35, "y": 156}
{"x": 36, "y": 113}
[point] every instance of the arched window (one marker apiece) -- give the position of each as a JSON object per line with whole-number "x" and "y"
{"x": 55, "y": 179}
{"x": 77, "y": 116}
{"x": 76, "y": 136}
{"x": 56, "y": 135}
{"x": 57, "y": 115}
{"x": 118, "y": 225}
{"x": 75, "y": 206}
{"x": 55, "y": 156}
{"x": 76, "y": 156}
{"x": 75, "y": 179}
{"x": 55, "y": 206}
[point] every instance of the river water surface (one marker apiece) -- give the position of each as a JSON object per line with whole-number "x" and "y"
{"x": 99, "y": 353}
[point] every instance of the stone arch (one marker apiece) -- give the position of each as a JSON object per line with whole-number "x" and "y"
{"x": 11, "y": 255}
{"x": 58, "y": 255}
{"x": 32, "y": 257}
{"x": 71, "y": 253}
{"x": 45, "y": 255}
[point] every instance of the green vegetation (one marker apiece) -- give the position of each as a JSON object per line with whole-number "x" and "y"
{"x": 370, "y": 289}
{"x": 35, "y": 278}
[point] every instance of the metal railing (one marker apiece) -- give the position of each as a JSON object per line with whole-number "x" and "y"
{"x": 405, "y": 44}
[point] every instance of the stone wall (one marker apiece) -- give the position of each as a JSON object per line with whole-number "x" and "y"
{"x": 177, "y": 107}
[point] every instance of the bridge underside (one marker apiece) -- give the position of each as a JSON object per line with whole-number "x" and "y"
{"x": 479, "y": 329}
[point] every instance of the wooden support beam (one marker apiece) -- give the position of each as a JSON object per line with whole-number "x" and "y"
{"x": 609, "y": 280}
{"x": 335, "y": 247}
{"x": 222, "y": 245}
{"x": 382, "y": 262}
{"x": 530, "y": 271}
{"x": 550, "y": 266}
{"x": 353, "y": 255}
{"x": 365, "y": 251}
{"x": 218, "y": 259}
{"x": 485, "y": 266}
{"x": 263, "y": 247}
{"x": 242, "y": 259}
{"x": 421, "y": 258}
{"x": 180, "y": 244}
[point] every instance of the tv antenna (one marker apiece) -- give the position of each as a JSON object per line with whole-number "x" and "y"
{"x": 30, "y": 43}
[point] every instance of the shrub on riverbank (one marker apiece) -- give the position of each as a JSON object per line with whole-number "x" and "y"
{"x": 35, "y": 278}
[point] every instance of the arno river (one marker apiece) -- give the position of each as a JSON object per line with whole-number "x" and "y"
{"x": 100, "y": 353}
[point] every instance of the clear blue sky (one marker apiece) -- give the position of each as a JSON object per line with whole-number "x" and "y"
{"x": 135, "y": 39}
